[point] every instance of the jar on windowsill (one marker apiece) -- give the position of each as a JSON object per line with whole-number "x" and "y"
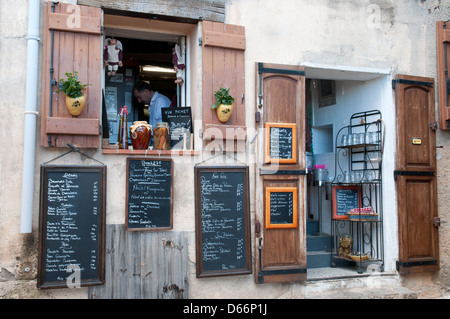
{"x": 140, "y": 133}
{"x": 161, "y": 137}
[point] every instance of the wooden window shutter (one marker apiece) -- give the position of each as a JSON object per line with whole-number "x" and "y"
{"x": 223, "y": 66}
{"x": 443, "y": 63}
{"x": 415, "y": 175}
{"x": 72, "y": 41}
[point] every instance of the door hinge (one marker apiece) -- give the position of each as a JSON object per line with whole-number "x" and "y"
{"x": 412, "y": 173}
{"x": 415, "y": 263}
{"x": 411, "y": 82}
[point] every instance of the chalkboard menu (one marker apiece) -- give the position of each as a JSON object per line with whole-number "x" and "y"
{"x": 222, "y": 221}
{"x": 281, "y": 207}
{"x": 72, "y": 226}
{"x": 345, "y": 198}
{"x": 149, "y": 194}
{"x": 180, "y": 126}
{"x": 281, "y": 143}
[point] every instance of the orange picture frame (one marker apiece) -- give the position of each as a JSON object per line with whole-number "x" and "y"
{"x": 342, "y": 203}
{"x": 270, "y": 222}
{"x": 270, "y": 149}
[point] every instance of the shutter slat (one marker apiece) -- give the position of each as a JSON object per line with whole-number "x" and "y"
{"x": 72, "y": 126}
{"x": 69, "y": 22}
{"x": 219, "y": 39}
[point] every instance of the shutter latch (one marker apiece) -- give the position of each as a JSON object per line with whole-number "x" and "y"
{"x": 436, "y": 222}
{"x": 434, "y": 125}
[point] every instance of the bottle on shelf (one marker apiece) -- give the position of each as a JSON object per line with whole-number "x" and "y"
{"x": 122, "y": 137}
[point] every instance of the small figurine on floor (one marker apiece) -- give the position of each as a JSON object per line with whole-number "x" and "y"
{"x": 112, "y": 55}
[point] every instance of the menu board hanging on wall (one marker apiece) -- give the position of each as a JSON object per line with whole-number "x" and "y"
{"x": 222, "y": 220}
{"x": 149, "y": 194}
{"x": 281, "y": 143}
{"x": 281, "y": 207}
{"x": 72, "y": 226}
{"x": 345, "y": 198}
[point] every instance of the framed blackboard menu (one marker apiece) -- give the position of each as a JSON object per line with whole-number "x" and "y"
{"x": 149, "y": 194}
{"x": 344, "y": 199}
{"x": 72, "y": 226}
{"x": 222, "y": 221}
{"x": 281, "y": 207}
{"x": 180, "y": 126}
{"x": 281, "y": 143}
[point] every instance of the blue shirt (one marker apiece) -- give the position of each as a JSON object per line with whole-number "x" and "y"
{"x": 154, "y": 109}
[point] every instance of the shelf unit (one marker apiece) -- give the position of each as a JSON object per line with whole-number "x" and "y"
{"x": 358, "y": 164}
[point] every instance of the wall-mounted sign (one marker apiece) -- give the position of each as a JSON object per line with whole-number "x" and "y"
{"x": 149, "y": 194}
{"x": 345, "y": 198}
{"x": 222, "y": 221}
{"x": 180, "y": 126}
{"x": 281, "y": 143}
{"x": 281, "y": 207}
{"x": 72, "y": 226}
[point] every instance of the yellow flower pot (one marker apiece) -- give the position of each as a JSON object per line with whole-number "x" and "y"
{"x": 223, "y": 112}
{"x": 75, "y": 106}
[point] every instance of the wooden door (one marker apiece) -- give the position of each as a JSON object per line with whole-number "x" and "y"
{"x": 280, "y": 250}
{"x": 415, "y": 175}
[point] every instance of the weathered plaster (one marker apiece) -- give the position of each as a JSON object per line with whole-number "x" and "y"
{"x": 380, "y": 34}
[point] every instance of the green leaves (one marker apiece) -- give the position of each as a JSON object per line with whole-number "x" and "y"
{"x": 222, "y": 97}
{"x": 71, "y": 87}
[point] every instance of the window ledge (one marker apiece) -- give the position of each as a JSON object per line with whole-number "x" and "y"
{"x": 107, "y": 151}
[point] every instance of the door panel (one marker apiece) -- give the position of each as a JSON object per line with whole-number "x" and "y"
{"x": 281, "y": 252}
{"x": 415, "y": 175}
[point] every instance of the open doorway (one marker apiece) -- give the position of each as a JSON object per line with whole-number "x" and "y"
{"x": 332, "y": 97}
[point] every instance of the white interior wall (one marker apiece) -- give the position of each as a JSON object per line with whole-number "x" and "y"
{"x": 352, "y": 97}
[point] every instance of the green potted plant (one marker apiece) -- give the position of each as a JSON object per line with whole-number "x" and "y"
{"x": 223, "y": 104}
{"x": 73, "y": 89}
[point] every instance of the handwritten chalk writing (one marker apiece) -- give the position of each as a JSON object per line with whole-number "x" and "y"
{"x": 280, "y": 143}
{"x": 72, "y": 205}
{"x": 222, "y": 212}
{"x": 149, "y": 198}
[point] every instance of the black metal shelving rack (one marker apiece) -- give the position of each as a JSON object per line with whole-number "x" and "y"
{"x": 363, "y": 159}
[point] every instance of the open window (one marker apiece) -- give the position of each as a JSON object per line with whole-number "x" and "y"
{"x": 74, "y": 39}
{"x": 147, "y": 56}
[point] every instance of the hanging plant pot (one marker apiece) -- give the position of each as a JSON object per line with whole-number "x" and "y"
{"x": 75, "y": 105}
{"x": 223, "y": 104}
{"x": 223, "y": 112}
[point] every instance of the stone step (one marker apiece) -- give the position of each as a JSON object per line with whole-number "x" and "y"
{"x": 318, "y": 259}
{"x": 318, "y": 242}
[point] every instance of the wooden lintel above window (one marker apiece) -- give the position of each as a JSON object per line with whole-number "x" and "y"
{"x": 212, "y": 10}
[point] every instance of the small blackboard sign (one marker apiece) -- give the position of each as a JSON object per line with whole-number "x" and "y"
{"x": 72, "y": 226}
{"x": 180, "y": 126}
{"x": 149, "y": 194}
{"x": 281, "y": 143}
{"x": 281, "y": 207}
{"x": 345, "y": 198}
{"x": 222, "y": 221}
